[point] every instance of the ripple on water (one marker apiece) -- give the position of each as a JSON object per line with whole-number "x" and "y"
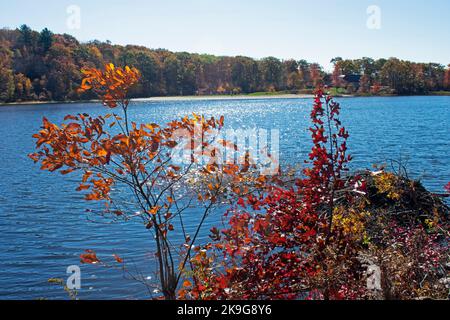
{"x": 43, "y": 227}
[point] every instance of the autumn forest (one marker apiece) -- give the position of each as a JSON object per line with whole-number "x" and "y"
{"x": 43, "y": 66}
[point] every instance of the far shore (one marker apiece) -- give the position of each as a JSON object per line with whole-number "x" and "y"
{"x": 229, "y": 97}
{"x": 175, "y": 98}
{"x": 262, "y": 96}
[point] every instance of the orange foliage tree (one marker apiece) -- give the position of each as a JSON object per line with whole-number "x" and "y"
{"x": 142, "y": 159}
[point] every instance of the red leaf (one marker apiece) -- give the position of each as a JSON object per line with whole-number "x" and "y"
{"x": 447, "y": 187}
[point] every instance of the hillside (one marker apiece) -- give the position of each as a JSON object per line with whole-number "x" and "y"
{"x": 42, "y": 66}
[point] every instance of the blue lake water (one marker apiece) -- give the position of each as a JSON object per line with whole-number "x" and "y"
{"x": 43, "y": 225}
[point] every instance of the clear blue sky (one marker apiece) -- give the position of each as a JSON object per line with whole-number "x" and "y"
{"x": 316, "y": 30}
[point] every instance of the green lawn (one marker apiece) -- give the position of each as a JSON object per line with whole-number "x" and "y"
{"x": 275, "y": 93}
{"x": 440, "y": 93}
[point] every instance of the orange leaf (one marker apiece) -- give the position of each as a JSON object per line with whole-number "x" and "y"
{"x": 151, "y": 127}
{"x": 102, "y": 153}
{"x": 118, "y": 259}
{"x": 90, "y": 257}
{"x": 83, "y": 187}
{"x": 187, "y": 284}
{"x": 64, "y": 172}
{"x": 154, "y": 210}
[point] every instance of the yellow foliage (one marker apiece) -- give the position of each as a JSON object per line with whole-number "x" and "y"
{"x": 386, "y": 183}
{"x": 351, "y": 223}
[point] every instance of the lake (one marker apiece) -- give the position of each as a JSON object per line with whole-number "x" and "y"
{"x": 43, "y": 225}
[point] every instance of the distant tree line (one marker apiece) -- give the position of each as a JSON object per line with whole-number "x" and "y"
{"x": 45, "y": 66}
{"x": 392, "y": 75}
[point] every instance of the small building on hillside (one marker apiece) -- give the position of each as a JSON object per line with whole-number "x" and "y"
{"x": 351, "y": 78}
{"x": 351, "y": 81}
